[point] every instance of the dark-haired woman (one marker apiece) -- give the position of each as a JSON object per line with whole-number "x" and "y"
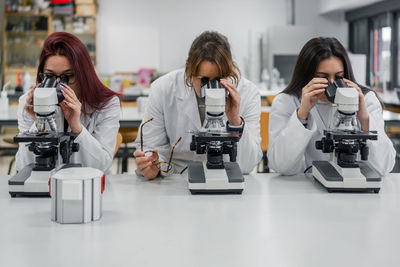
{"x": 91, "y": 110}
{"x": 301, "y": 113}
{"x": 177, "y": 110}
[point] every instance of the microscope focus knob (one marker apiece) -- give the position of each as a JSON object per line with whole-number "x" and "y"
{"x": 318, "y": 145}
{"x": 75, "y": 147}
{"x": 192, "y": 146}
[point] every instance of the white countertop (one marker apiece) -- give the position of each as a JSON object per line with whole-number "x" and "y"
{"x": 278, "y": 221}
{"x": 131, "y": 113}
{"x": 390, "y": 116}
{"x": 127, "y": 113}
{"x": 11, "y": 113}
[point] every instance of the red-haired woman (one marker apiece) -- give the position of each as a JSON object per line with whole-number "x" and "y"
{"x": 91, "y": 109}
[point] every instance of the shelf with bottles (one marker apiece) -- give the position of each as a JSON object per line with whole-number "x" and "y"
{"x": 16, "y": 75}
{"x": 23, "y": 35}
{"x": 82, "y": 27}
{"x": 26, "y": 22}
{"x": 75, "y": 24}
{"x": 25, "y": 27}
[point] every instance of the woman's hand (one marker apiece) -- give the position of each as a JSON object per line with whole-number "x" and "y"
{"x": 29, "y": 103}
{"x": 72, "y": 109}
{"x": 309, "y": 96}
{"x": 147, "y": 165}
{"x": 232, "y": 104}
{"x": 362, "y": 113}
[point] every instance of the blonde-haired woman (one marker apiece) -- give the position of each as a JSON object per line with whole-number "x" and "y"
{"x": 177, "y": 110}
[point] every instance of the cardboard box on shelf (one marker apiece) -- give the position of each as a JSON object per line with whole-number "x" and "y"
{"x": 78, "y": 2}
{"x": 86, "y": 10}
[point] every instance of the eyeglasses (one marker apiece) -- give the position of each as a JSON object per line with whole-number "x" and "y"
{"x": 163, "y": 166}
{"x": 68, "y": 78}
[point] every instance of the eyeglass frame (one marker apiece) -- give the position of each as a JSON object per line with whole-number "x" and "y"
{"x": 157, "y": 162}
{"x": 55, "y": 77}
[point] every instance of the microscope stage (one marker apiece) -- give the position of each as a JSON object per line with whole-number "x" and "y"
{"x": 51, "y": 137}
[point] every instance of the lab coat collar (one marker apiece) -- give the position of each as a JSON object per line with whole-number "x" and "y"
{"x": 317, "y": 119}
{"x": 187, "y": 103}
{"x": 315, "y": 116}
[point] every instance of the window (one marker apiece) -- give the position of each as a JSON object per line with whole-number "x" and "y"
{"x": 398, "y": 50}
{"x": 374, "y": 31}
{"x": 379, "y": 69}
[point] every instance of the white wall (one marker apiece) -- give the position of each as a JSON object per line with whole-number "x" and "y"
{"x": 178, "y": 23}
{"x": 158, "y": 33}
{"x": 2, "y": 5}
{"x": 328, "y": 25}
{"x": 328, "y": 6}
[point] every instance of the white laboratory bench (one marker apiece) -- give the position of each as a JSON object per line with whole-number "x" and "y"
{"x": 130, "y": 117}
{"x": 277, "y": 221}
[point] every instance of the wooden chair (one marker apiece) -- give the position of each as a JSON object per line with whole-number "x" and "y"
{"x": 264, "y": 123}
{"x": 8, "y": 138}
{"x": 118, "y": 144}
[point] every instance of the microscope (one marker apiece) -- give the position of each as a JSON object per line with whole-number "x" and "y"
{"x": 50, "y": 143}
{"x": 348, "y": 168}
{"x": 215, "y": 175}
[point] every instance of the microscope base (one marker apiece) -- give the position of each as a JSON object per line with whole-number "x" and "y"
{"x": 215, "y": 181}
{"x": 337, "y": 179}
{"x": 28, "y": 182}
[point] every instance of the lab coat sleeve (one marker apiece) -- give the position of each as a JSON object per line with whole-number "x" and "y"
{"x": 154, "y": 133}
{"x": 96, "y": 149}
{"x": 25, "y": 123}
{"x": 381, "y": 152}
{"x": 288, "y": 138}
{"x": 249, "y": 149}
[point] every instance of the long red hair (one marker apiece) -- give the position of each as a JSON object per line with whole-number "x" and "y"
{"x": 93, "y": 92}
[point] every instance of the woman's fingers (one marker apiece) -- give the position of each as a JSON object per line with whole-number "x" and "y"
{"x": 231, "y": 88}
{"x": 150, "y": 172}
{"x": 138, "y": 153}
{"x": 228, "y": 85}
{"x": 68, "y": 97}
{"x": 313, "y": 87}
{"x": 316, "y": 92}
{"x": 68, "y": 91}
{"x": 320, "y": 80}
{"x": 142, "y": 161}
{"x": 352, "y": 84}
{"x": 154, "y": 155}
{"x": 147, "y": 166}
{"x": 317, "y": 80}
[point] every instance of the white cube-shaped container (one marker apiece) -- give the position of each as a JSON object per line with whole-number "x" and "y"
{"x": 76, "y": 195}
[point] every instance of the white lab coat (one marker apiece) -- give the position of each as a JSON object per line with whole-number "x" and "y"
{"x": 96, "y": 141}
{"x": 292, "y": 146}
{"x": 174, "y": 108}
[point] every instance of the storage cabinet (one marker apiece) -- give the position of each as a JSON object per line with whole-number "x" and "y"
{"x": 24, "y": 35}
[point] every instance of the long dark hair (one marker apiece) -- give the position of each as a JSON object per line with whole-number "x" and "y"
{"x": 93, "y": 92}
{"x": 312, "y": 53}
{"x": 213, "y": 47}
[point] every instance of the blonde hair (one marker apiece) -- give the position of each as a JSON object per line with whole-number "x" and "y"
{"x": 213, "y": 47}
